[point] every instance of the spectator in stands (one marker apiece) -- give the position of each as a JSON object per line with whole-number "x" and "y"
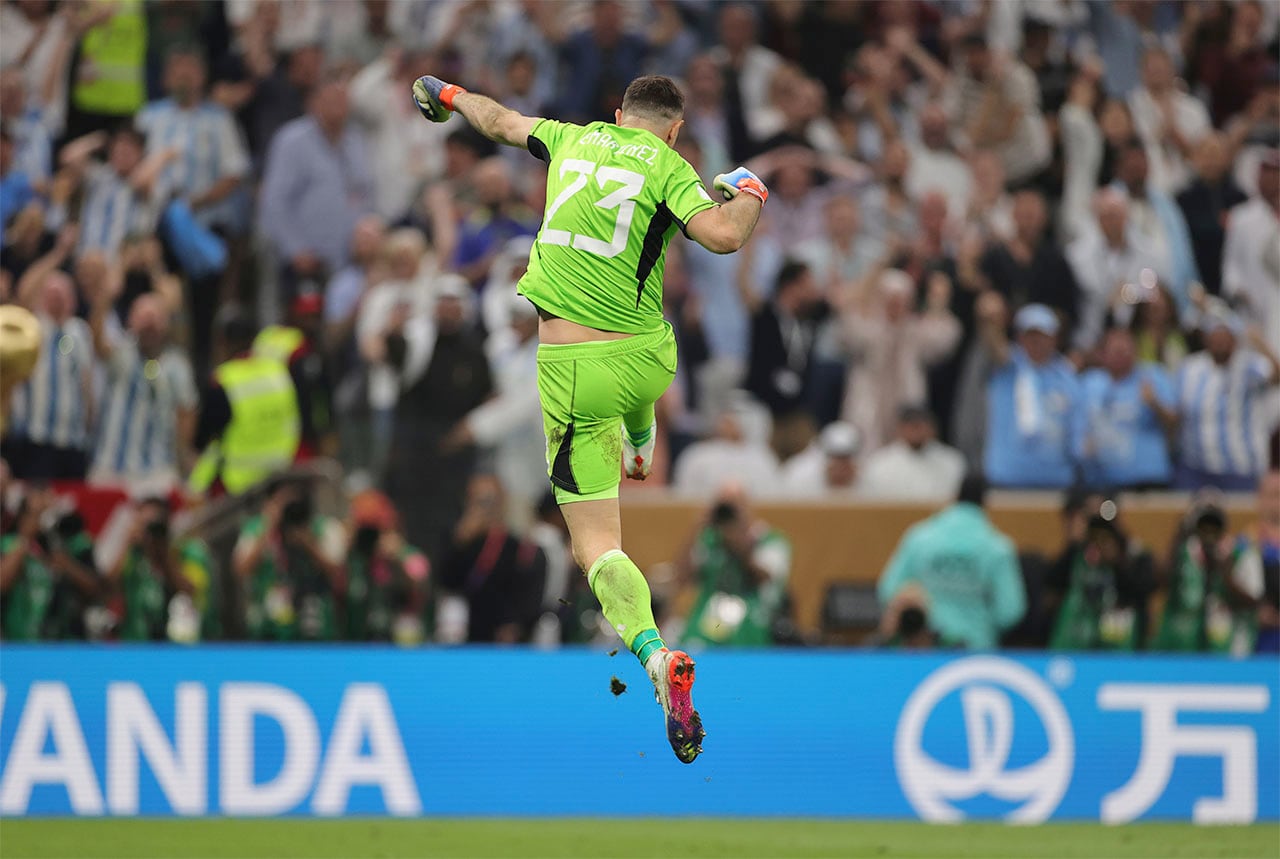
{"x": 967, "y": 569}
{"x": 510, "y": 424}
{"x": 733, "y": 452}
{"x": 1250, "y": 260}
{"x": 107, "y": 81}
{"x": 748, "y": 68}
{"x": 249, "y": 425}
{"x": 1220, "y": 391}
{"x": 1170, "y": 121}
{"x": 148, "y": 417}
{"x": 33, "y": 149}
{"x": 1129, "y": 413}
{"x": 844, "y": 253}
{"x": 1105, "y": 257}
{"x": 891, "y": 347}
{"x": 603, "y": 59}
{"x": 1097, "y": 590}
{"x": 1153, "y": 319}
{"x": 17, "y": 193}
{"x": 914, "y": 467}
{"x": 288, "y": 559}
{"x": 991, "y": 207}
{"x": 1027, "y": 267}
{"x": 935, "y": 166}
{"x": 155, "y": 599}
{"x": 887, "y": 209}
{"x": 705, "y": 112}
{"x": 500, "y": 575}
{"x": 387, "y": 579}
{"x": 827, "y": 468}
{"x": 1260, "y": 560}
{"x": 51, "y": 414}
{"x": 1205, "y": 202}
{"x": 446, "y": 375}
{"x": 738, "y": 565}
{"x": 317, "y": 164}
{"x": 496, "y": 217}
{"x": 783, "y": 331}
{"x": 1032, "y": 394}
{"x": 1212, "y": 602}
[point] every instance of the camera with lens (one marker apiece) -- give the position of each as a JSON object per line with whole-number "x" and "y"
{"x": 724, "y": 513}
{"x": 296, "y": 514}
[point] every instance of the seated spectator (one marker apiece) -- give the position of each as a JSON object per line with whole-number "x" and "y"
{"x": 1220, "y": 390}
{"x": 1210, "y": 605}
{"x": 916, "y": 466}
{"x": 1205, "y": 202}
{"x": 1260, "y": 560}
{"x": 730, "y": 454}
{"x": 1098, "y": 588}
{"x": 1032, "y": 394}
{"x": 739, "y": 566}
{"x": 500, "y": 576}
{"x": 891, "y": 347}
{"x": 1129, "y": 413}
{"x": 289, "y": 562}
{"x": 47, "y": 573}
{"x": 387, "y": 579}
{"x": 967, "y": 569}
{"x": 827, "y": 468}
{"x": 149, "y": 406}
{"x": 49, "y": 426}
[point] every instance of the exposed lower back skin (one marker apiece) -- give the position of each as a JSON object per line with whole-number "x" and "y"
{"x": 556, "y": 331}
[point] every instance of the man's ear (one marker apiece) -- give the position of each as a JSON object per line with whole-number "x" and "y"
{"x": 674, "y": 132}
{"x": 617, "y": 116}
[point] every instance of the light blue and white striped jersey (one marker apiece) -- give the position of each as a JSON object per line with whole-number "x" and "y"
{"x": 1222, "y": 430}
{"x": 210, "y": 149}
{"x": 51, "y": 407}
{"x": 137, "y": 436}
{"x": 112, "y": 210}
{"x": 33, "y": 147}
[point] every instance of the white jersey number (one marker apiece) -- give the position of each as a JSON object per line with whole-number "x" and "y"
{"x": 622, "y": 200}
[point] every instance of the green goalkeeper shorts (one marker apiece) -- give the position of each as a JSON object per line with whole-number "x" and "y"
{"x": 587, "y": 390}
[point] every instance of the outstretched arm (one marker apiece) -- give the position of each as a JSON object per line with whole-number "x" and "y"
{"x": 726, "y": 228}
{"x": 438, "y": 101}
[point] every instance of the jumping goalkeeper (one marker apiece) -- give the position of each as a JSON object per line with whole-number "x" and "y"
{"x": 615, "y": 195}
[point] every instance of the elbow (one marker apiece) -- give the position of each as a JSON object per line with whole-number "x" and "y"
{"x": 725, "y": 243}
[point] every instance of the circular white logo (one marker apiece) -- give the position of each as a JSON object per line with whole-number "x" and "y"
{"x": 984, "y": 684}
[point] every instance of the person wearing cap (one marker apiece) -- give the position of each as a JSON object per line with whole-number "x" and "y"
{"x": 1251, "y": 254}
{"x": 1221, "y": 392}
{"x": 1032, "y": 395}
{"x": 296, "y": 345}
{"x": 915, "y": 466}
{"x": 733, "y": 452}
{"x": 386, "y": 578}
{"x": 827, "y": 467}
{"x": 967, "y": 569}
{"x": 1128, "y": 414}
{"x": 510, "y": 424}
{"x": 249, "y": 426}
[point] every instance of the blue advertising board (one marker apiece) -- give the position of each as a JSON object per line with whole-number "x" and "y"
{"x": 249, "y": 730}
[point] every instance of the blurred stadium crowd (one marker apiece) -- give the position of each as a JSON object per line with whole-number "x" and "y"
{"x": 1033, "y": 239}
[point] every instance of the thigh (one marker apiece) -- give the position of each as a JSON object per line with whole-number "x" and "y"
{"x": 582, "y": 423}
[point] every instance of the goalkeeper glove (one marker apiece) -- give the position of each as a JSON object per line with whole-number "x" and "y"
{"x": 434, "y": 97}
{"x": 741, "y": 181}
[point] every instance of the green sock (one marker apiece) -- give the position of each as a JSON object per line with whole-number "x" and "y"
{"x": 639, "y": 438}
{"x": 624, "y": 595}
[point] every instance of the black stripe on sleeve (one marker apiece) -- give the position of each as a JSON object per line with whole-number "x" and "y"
{"x": 652, "y": 247}
{"x": 538, "y": 149}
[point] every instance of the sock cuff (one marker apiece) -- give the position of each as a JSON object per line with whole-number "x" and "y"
{"x": 645, "y": 644}
{"x": 605, "y": 559}
{"x": 641, "y": 438}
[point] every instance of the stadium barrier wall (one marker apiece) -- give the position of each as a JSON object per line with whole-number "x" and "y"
{"x": 326, "y": 731}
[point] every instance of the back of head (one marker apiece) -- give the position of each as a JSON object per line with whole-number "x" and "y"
{"x": 653, "y": 97}
{"x": 237, "y": 329}
{"x": 973, "y": 490}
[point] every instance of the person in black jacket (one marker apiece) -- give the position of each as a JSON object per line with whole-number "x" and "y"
{"x": 1029, "y": 268}
{"x": 1205, "y": 203}
{"x": 783, "y": 331}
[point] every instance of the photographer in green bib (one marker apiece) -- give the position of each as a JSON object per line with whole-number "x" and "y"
{"x": 1212, "y": 604}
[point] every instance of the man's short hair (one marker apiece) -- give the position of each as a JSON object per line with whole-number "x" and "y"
{"x": 653, "y": 95}
{"x": 973, "y": 490}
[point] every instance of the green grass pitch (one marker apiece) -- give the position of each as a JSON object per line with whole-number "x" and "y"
{"x": 667, "y": 838}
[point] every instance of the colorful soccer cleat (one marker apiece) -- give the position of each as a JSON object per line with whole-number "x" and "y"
{"x": 672, "y": 675}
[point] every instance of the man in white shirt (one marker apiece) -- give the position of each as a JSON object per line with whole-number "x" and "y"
{"x": 935, "y": 166}
{"x": 1251, "y": 255}
{"x": 915, "y": 467}
{"x": 731, "y": 454}
{"x": 1169, "y": 121}
{"x": 828, "y": 467}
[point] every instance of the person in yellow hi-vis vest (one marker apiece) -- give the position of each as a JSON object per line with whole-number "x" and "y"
{"x": 110, "y": 74}
{"x": 249, "y": 425}
{"x": 296, "y": 344}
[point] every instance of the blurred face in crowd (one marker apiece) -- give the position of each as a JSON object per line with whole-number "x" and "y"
{"x": 1269, "y": 498}
{"x": 331, "y": 104}
{"x": 1156, "y": 311}
{"x": 304, "y": 66}
{"x": 916, "y": 432}
{"x": 405, "y": 249}
{"x": 91, "y": 270}
{"x": 492, "y": 182}
{"x": 485, "y": 497}
{"x": 793, "y": 180}
{"x": 800, "y": 296}
{"x": 1075, "y": 522}
{"x": 1269, "y": 183}
{"x": 1132, "y": 169}
{"x": 1211, "y": 157}
{"x": 367, "y": 239}
{"x": 451, "y": 314}
{"x": 1029, "y": 216}
{"x": 897, "y": 293}
{"x": 977, "y": 60}
{"x": 13, "y": 92}
{"x": 934, "y": 127}
{"x": 1220, "y": 343}
{"x": 737, "y": 28}
{"x": 933, "y": 214}
{"x": 895, "y": 161}
{"x": 706, "y": 85}
{"x": 184, "y": 77}
{"x": 521, "y": 72}
{"x": 1040, "y": 346}
{"x": 841, "y": 471}
{"x": 1118, "y": 353}
{"x": 606, "y": 21}
{"x": 125, "y": 152}
{"x": 1107, "y": 544}
{"x": 1115, "y": 121}
{"x": 1157, "y": 71}
{"x": 149, "y": 323}
{"x": 58, "y": 298}
{"x": 1113, "y": 216}
{"x": 843, "y": 218}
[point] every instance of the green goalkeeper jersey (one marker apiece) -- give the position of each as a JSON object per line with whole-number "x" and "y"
{"x": 614, "y": 198}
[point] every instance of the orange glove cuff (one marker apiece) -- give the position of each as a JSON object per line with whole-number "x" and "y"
{"x": 448, "y": 93}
